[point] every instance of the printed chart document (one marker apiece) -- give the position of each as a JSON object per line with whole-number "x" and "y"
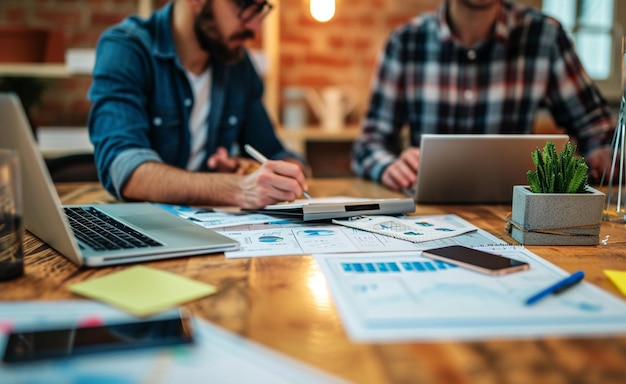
{"x": 216, "y": 356}
{"x": 406, "y": 297}
{"x": 415, "y": 231}
{"x": 220, "y": 218}
{"x": 304, "y": 239}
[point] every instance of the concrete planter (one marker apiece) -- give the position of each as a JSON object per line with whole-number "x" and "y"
{"x": 556, "y": 218}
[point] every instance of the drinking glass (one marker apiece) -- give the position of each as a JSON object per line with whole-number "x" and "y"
{"x": 11, "y": 225}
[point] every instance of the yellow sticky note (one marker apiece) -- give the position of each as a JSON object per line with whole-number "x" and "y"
{"x": 143, "y": 291}
{"x": 618, "y": 278}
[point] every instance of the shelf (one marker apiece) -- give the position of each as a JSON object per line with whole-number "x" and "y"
{"x": 57, "y": 70}
{"x": 297, "y": 138}
{"x": 350, "y": 132}
{"x": 35, "y": 70}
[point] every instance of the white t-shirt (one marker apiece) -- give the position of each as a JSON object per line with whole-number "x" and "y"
{"x": 199, "y": 118}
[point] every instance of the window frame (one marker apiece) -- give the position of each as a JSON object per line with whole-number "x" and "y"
{"x": 610, "y": 87}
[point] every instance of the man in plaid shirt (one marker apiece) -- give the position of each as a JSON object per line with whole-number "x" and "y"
{"x": 477, "y": 66}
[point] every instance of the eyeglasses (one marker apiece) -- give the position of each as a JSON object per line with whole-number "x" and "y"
{"x": 249, "y": 12}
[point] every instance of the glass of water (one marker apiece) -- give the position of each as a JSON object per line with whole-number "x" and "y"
{"x": 11, "y": 225}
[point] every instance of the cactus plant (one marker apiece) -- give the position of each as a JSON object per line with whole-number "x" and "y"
{"x": 558, "y": 173}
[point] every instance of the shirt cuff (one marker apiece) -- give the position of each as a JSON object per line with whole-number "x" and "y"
{"x": 125, "y": 164}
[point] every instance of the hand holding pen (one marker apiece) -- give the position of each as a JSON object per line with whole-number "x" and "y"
{"x": 258, "y": 156}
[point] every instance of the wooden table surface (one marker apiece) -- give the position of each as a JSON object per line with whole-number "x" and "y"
{"x": 283, "y": 303}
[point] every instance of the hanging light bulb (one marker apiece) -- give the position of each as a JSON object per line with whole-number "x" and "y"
{"x": 322, "y": 10}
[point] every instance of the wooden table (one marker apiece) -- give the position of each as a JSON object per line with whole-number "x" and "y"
{"x": 283, "y": 303}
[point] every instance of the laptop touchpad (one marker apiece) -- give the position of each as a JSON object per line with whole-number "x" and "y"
{"x": 153, "y": 221}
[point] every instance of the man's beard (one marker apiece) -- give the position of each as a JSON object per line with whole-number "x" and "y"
{"x": 213, "y": 41}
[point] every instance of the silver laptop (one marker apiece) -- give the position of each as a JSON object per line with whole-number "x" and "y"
{"x": 476, "y": 168}
{"x": 136, "y": 231}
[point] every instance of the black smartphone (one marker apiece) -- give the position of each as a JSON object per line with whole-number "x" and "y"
{"x": 476, "y": 260}
{"x": 30, "y": 345}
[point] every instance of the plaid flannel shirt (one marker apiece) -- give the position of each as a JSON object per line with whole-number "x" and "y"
{"x": 429, "y": 81}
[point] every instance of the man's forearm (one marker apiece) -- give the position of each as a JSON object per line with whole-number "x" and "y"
{"x": 158, "y": 182}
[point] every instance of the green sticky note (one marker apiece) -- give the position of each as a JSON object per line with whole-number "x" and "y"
{"x": 618, "y": 278}
{"x": 143, "y": 291}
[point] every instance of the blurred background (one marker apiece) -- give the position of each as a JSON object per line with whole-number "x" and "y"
{"x": 308, "y": 65}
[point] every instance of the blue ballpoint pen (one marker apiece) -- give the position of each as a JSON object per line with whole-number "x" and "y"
{"x": 258, "y": 156}
{"x": 558, "y": 287}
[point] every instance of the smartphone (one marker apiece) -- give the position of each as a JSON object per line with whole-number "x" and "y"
{"x": 30, "y": 345}
{"x": 476, "y": 260}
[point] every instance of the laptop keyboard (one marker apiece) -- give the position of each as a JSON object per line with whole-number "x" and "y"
{"x": 102, "y": 232}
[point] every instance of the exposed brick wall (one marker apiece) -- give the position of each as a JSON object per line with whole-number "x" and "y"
{"x": 344, "y": 50}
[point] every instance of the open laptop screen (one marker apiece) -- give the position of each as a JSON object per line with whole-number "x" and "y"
{"x": 476, "y": 168}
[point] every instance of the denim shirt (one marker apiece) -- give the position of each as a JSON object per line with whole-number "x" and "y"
{"x": 141, "y": 103}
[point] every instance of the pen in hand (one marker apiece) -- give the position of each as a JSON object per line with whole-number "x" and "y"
{"x": 558, "y": 287}
{"x": 258, "y": 156}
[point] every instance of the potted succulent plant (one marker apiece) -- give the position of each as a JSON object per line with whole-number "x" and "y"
{"x": 558, "y": 207}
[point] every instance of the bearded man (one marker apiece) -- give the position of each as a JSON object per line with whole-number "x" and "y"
{"x": 174, "y": 99}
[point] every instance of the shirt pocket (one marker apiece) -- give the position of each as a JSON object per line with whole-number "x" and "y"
{"x": 230, "y": 125}
{"x": 168, "y": 134}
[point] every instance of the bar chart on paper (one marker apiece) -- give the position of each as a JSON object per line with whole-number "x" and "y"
{"x": 407, "y": 266}
{"x": 404, "y": 296}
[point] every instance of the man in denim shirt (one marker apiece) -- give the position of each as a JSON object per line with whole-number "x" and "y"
{"x": 173, "y": 96}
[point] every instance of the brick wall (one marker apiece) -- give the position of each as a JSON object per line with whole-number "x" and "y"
{"x": 73, "y": 24}
{"x": 340, "y": 52}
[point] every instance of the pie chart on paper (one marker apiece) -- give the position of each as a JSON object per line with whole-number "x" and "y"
{"x": 270, "y": 239}
{"x": 316, "y": 232}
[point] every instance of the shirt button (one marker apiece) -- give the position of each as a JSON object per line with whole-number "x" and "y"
{"x": 471, "y": 54}
{"x": 468, "y": 95}
{"x": 233, "y": 120}
{"x": 187, "y": 102}
{"x": 157, "y": 121}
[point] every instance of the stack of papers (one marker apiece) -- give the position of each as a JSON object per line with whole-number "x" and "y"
{"x": 263, "y": 235}
{"x": 304, "y": 239}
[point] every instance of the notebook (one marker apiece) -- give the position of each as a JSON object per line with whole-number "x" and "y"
{"x": 144, "y": 232}
{"x": 476, "y": 168}
{"x": 323, "y": 208}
